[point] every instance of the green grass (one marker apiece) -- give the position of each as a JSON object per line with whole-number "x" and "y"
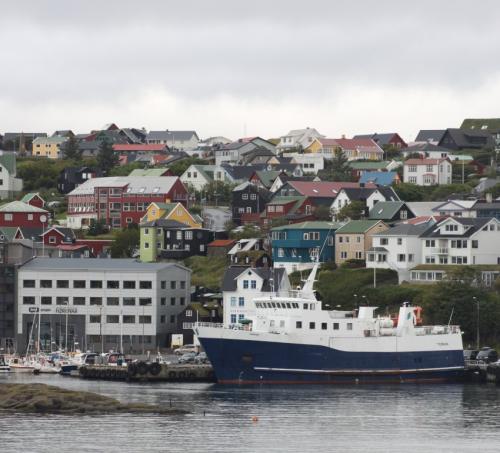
{"x": 208, "y": 271}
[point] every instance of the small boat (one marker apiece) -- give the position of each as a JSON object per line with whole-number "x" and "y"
{"x": 45, "y": 368}
{"x": 21, "y": 365}
{"x": 87, "y": 358}
{"x": 4, "y": 367}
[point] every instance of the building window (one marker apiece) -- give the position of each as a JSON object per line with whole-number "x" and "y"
{"x": 46, "y": 300}
{"x": 412, "y": 168}
{"x": 62, "y": 300}
{"x": 241, "y": 301}
{"x": 400, "y": 241}
{"x": 298, "y": 324}
{"x": 172, "y": 301}
{"x": 145, "y": 284}
{"x": 323, "y": 326}
{"x": 96, "y": 301}
{"x": 359, "y": 255}
{"x": 336, "y": 326}
{"x": 162, "y": 319}
{"x": 129, "y": 284}
{"x": 233, "y": 319}
{"x": 182, "y": 300}
{"x": 63, "y": 283}
{"x": 28, "y": 300}
{"x": 145, "y": 319}
{"x": 8, "y": 217}
{"x": 45, "y": 283}
{"x": 173, "y": 284}
{"x": 401, "y": 257}
{"x": 145, "y": 301}
{"x": 95, "y": 319}
{"x": 78, "y": 300}
{"x": 96, "y": 284}
{"x": 113, "y": 301}
{"x": 128, "y": 301}
{"x": 163, "y": 301}
{"x": 128, "y": 319}
{"x": 312, "y": 325}
{"x": 349, "y": 326}
{"x": 163, "y": 284}
{"x": 233, "y": 301}
{"x": 112, "y": 319}
{"x": 79, "y": 284}
{"x": 343, "y": 255}
{"x": 28, "y": 283}
{"x": 189, "y": 313}
{"x": 253, "y": 284}
{"x": 113, "y": 284}
{"x": 52, "y": 239}
{"x": 245, "y": 284}
{"x": 475, "y": 244}
{"x": 384, "y": 241}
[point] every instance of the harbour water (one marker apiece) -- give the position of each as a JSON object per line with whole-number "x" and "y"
{"x": 405, "y": 418}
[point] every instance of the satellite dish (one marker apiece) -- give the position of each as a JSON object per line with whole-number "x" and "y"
{"x": 43, "y": 218}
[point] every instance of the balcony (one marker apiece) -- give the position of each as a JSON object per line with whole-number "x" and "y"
{"x": 440, "y": 251}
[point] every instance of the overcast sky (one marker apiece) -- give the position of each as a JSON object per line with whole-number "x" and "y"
{"x": 258, "y": 68}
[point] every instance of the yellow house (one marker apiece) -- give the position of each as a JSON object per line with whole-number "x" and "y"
{"x": 48, "y": 147}
{"x": 172, "y": 211}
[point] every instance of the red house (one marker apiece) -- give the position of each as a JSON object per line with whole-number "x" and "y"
{"x": 19, "y": 214}
{"x": 34, "y": 199}
{"x": 58, "y": 235}
{"x": 121, "y": 200}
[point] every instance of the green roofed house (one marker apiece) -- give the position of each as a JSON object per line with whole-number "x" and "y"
{"x": 390, "y": 211}
{"x": 491, "y": 125}
{"x": 34, "y": 199}
{"x": 9, "y": 184}
{"x": 355, "y": 238}
{"x": 198, "y": 176}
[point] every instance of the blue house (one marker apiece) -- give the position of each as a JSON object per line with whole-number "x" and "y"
{"x": 380, "y": 178}
{"x": 296, "y": 246}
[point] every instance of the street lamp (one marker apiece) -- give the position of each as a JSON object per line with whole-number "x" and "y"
{"x": 477, "y": 325}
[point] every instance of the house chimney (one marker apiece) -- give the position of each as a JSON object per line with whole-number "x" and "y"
{"x": 343, "y": 135}
{"x": 489, "y": 197}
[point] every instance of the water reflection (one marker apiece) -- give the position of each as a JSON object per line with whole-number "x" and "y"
{"x": 292, "y": 419}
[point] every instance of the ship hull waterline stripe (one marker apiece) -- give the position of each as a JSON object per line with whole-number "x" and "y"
{"x": 350, "y": 382}
{"x": 350, "y": 372}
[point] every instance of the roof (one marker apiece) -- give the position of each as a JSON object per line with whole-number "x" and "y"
{"x": 423, "y": 208}
{"x": 148, "y": 172}
{"x": 357, "y": 226}
{"x": 165, "y": 223}
{"x": 136, "y": 184}
{"x": 222, "y": 243}
{"x": 474, "y": 224}
{"x": 267, "y": 177}
{"x": 310, "y": 225}
{"x": 72, "y": 247}
{"x": 385, "y": 209}
{"x": 424, "y": 147}
{"x": 8, "y": 160}
{"x": 353, "y": 143}
{"x": 381, "y": 139}
{"x": 286, "y": 200}
{"x": 29, "y": 196}
{"x": 19, "y": 206}
{"x": 362, "y": 193}
{"x": 470, "y": 138}
{"x": 485, "y": 206}
{"x": 171, "y": 135}
{"x": 406, "y": 229}
{"x": 356, "y": 165}
{"x": 381, "y": 178}
{"x": 491, "y": 125}
{"x": 456, "y": 205}
{"x": 321, "y": 188}
{"x": 138, "y": 147}
{"x": 8, "y": 232}
{"x": 425, "y": 161}
{"x": 57, "y": 140}
{"x": 97, "y": 264}
{"x": 433, "y": 135}
{"x": 243, "y": 172}
{"x": 229, "y": 282}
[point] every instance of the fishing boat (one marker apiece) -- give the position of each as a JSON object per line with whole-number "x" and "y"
{"x": 21, "y": 365}
{"x": 293, "y": 340}
{"x": 4, "y": 366}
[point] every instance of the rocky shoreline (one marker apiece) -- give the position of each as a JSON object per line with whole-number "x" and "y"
{"x": 48, "y": 399}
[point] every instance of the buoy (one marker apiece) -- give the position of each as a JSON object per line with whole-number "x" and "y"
{"x": 255, "y": 419}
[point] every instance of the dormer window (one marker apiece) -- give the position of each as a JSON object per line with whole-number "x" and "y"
{"x": 451, "y": 227}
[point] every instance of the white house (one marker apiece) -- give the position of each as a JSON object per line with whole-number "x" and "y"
{"x": 243, "y": 284}
{"x": 298, "y": 138}
{"x": 9, "y": 184}
{"x": 398, "y": 248}
{"x": 174, "y": 139}
{"x": 427, "y": 172}
{"x": 456, "y": 208}
{"x": 368, "y": 195}
{"x": 198, "y": 176}
{"x": 309, "y": 163}
{"x": 121, "y": 299}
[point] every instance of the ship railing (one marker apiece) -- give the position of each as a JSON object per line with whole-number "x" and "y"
{"x": 437, "y": 330}
{"x": 216, "y": 325}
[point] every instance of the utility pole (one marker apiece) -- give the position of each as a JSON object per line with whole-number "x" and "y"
{"x": 477, "y": 325}
{"x": 374, "y": 277}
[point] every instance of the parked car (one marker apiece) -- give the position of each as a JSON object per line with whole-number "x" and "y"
{"x": 487, "y": 355}
{"x": 186, "y": 348}
{"x": 189, "y": 357}
{"x": 201, "y": 358}
{"x": 470, "y": 354}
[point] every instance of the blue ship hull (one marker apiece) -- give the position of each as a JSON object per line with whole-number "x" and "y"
{"x": 258, "y": 362}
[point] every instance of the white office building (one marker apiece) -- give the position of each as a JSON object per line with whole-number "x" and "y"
{"x": 94, "y": 304}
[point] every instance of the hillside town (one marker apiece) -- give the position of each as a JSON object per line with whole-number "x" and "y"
{"x": 123, "y": 238}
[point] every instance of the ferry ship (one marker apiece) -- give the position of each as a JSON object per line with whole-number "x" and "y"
{"x": 292, "y": 340}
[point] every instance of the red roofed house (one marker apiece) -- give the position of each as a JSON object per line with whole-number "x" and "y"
{"x": 220, "y": 247}
{"x": 427, "y": 172}
{"x": 323, "y": 192}
{"x": 353, "y": 148}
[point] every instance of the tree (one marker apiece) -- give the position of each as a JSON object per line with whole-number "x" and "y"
{"x": 180, "y": 166}
{"x": 106, "y": 157}
{"x": 338, "y": 169}
{"x": 322, "y": 212}
{"x": 96, "y": 227}
{"x": 71, "y": 149}
{"x": 353, "y": 211}
{"x": 125, "y": 242}
{"x": 495, "y": 191}
{"x": 409, "y": 192}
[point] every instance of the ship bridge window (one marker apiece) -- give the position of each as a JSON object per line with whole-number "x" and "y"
{"x": 295, "y": 305}
{"x": 336, "y": 326}
{"x": 271, "y": 323}
{"x": 349, "y": 326}
{"x": 288, "y": 305}
{"x": 298, "y": 324}
{"x": 312, "y": 306}
{"x": 323, "y": 326}
{"x": 282, "y": 323}
{"x": 273, "y": 304}
{"x": 306, "y": 306}
{"x": 312, "y": 325}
